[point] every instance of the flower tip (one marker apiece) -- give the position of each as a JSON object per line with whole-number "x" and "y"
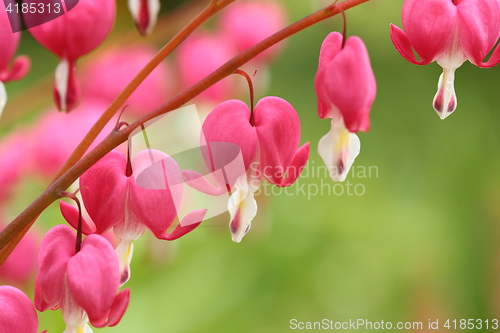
{"x": 445, "y": 101}
{"x": 144, "y": 13}
{"x": 66, "y": 88}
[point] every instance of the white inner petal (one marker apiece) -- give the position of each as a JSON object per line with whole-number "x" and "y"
{"x": 124, "y": 252}
{"x": 242, "y": 207}
{"x": 133, "y": 7}
{"x": 154, "y": 9}
{"x": 445, "y": 100}
{"x": 62, "y": 76}
{"x": 3, "y": 98}
{"x": 338, "y": 149}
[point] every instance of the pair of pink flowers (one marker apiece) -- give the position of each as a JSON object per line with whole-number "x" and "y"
{"x": 448, "y": 32}
{"x": 82, "y": 284}
{"x": 268, "y": 138}
{"x": 129, "y": 197}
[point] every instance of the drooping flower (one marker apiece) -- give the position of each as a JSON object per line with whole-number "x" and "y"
{"x": 145, "y": 14}
{"x": 17, "y": 313}
{"x": 346, "y": 88}
{"x": 82, "y": 284}
{"x": 129, "y": 200}
{"x": 71, "y": 36}
{"x": 448, "y": 32}
{"x": 109, "y": 74}
{"x": 268, "y": 138}
{"x": 8, "y": 45}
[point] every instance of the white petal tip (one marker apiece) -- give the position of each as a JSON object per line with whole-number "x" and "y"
{"x": 3, "y": 98}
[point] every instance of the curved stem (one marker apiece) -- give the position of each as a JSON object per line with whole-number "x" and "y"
{"x": 250, "y": 87}
{"x": 117, "y": 137}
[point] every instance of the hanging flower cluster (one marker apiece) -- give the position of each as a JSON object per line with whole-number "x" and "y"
{"x": 80, "y": 271}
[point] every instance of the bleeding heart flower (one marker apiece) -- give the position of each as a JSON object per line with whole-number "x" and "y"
{"x": 8, "y": 46}
{"x": 129, "y": 201}
{"x": 82, "y": 284}
{"x": 268, "y": 139}
{"x": 346, "y": 88}
{"x": 448, "y": 32}
{"x": 71, "y": 36}
{"x": 17, "y": 313}
{"x": 145, "y": 14}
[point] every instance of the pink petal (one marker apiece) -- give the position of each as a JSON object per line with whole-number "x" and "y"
{"x": 9, "y": 41}
{"x": 230, "y": 122}
{"x": 403, "y": 45}
{"x": 78, "y": 31}
{"x": 71, "y": 215}
{"x": 478, "y": 27}
{"x": 278, "y": 130}
{"x": 103, "y": 189}
{"x": 351, "y": 84}
{"x": 190, "y": 222}
{"x": 330, "y": 47}
{"x": 17, "y": 314}
{"x": 118, "y": 307}
{"x": 429, "y": 26}
{"x": 156, "y": 192}
{"x": 94, "y": 278}
{"x": 57, "y": 248}
{"x": 296, "y": 166}
{"x": 201, "y": 184}
{"x": 19, "y": 69}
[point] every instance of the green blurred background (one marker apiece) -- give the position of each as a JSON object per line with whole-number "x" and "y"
{"x": 421, "y": 243}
